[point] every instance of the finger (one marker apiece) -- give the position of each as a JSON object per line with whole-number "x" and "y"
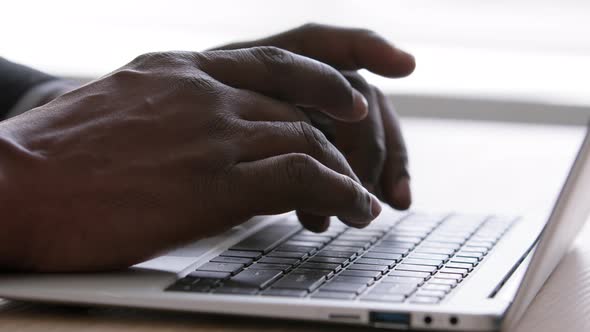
{"x": 253, "y": 106}
{"x": 395, "y": 179}
{"x": 286, "y": 76}
{"x": 316, "y": 224}
{"x": 299, "y": 182}
{"x": 343, "y": 48}
{"x": 363, "y": 143}
{"x": 267, "y": 139}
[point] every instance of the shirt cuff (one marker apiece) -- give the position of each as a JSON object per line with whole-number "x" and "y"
{"x": 38, "y": 95}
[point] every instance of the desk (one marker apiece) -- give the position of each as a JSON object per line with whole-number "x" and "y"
{"x": 518, "y": 157}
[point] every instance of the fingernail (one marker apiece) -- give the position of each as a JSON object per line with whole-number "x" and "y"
{"x": 401, "y": 193}
{"x": 375, "y": 207}
{"x": 359, "y": 104}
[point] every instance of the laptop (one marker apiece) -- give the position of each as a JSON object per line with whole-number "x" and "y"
{"x": 410, "y": 270}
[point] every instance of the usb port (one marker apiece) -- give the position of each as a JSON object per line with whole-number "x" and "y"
{"x": 390, "y": 319}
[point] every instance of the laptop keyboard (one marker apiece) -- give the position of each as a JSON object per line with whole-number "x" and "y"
{"x": 413, "y": 258}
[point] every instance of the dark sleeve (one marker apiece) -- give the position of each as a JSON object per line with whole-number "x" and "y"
{"x": 16, "y": 80}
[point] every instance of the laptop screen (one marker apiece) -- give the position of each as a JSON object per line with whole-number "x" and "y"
{"x": 567, "y": 217}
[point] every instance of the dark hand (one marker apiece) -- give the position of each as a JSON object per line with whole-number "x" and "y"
{"x": 374, "y": 146}
{"x": 171, "y": 148}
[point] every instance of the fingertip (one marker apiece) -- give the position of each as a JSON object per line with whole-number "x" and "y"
{"x": 375, "y": 206}
{"x": 407, "y": 62}
{"x": 360, "y": 105}
{"x": 313, "y": 223}
{"x": 401, "y": 195}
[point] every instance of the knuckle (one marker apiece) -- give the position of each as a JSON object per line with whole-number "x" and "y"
{"x": 276, "y": 60}
{"x": 354, "y": 193}
{"x": 311, "y": 26}
{"x": 316, "y": 140}
{"x": 300, "y": 168}
{"x": 223, "y": 127}
{"x": 201, "y": 83}
{"x": 173, "y": 58}
{"x": 366, "y": 32}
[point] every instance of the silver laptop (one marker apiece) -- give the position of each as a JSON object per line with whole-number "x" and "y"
{"x": 406, "y": 270}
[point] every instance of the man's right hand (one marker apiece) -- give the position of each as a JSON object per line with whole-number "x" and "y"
{"x": 171, "y": 148}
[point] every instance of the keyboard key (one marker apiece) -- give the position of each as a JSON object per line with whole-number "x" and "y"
{"x": 314, "y": 238}
{"x": 321, "y": 294}
{"x": 485, "y": 244}
{"x": 315, "y": 245}
{"x": 341, "y": 243}
{"x": 267, "y": 238}
{"x": 254, "y": 278}
{"x": 436, "y": 287}
{"x": 391, "y": 244}
{"x": 382, "y": 255}
{"x": 345, "y": 287}
{"x": 411, "y": 233}
{"x": 465, "y": 260}
{"x": 368, "y": 267}
{"x": 209, "y": 275}
{"x": 392, "y": 298}
{"x": 398, "y": 238}
{"x": 431, "y": 293}
{"x": 237, "y": 260}
{"x": 393, "y": 288}
{"x": 482, "y": 250}
{"x": 442, "y": 245}
{"x": 240, "y": 253}
{"x": 439, "y": 281}
{"x": 416, "y": 268}
{"x": 307, "y": 250}
{"x": 430, "y": 250}
{"x": 264, "y": 266}
{"x": 321, "y": 266}
{"x": 221, "y": 267}
{"x": 398, "y": 273}
{"x": 467, "y": 267}
{"x": 365, "y": 231}
{"x": 374, "y": 261}
{"x": 403, "y": 280}
{"x": 358, "y": 237}
{"x": 355, "y": 250}
{"x": 424, "y": 300}
{"x": 327, "y": 273}
{"x": 285, "y": 292}
{"x": 453, "y": 240}
{"x": 450, "y": 270}
{"x": 429, "y": 262}
{"x": 451, "y": 276}
{"x": 354, "y": 280}
{"x": 339, "y": 254}
{"x": 389, "y": 250}
{"x": 429, "y": 256}
{"x": 470, "y": 254}
{"x": 308, "y": 281}
{"x": 235, "y": 290}
{"x": 361, "y": 273}
{"x": 289, "y": 254}
{"x": 331, "y": 260}
{"x": 278, "y": 260}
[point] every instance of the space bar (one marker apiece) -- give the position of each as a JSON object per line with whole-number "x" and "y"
{"x": 267, "y": 238}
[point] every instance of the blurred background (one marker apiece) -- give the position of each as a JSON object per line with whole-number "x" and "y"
{"x": 531, "y": 50}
